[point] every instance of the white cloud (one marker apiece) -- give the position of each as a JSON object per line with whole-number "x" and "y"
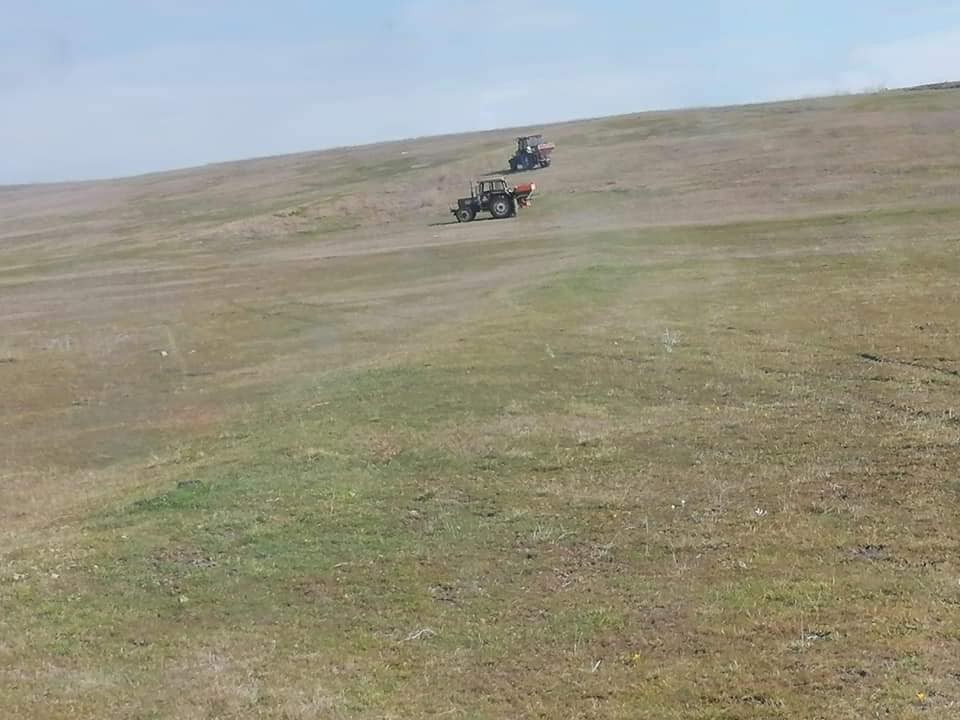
{"x": 917, "y": 60}
{"x": 913, "y": 61}
{"x": 500, "y": 16}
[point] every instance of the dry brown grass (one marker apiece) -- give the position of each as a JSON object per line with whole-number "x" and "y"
{"x": 681, "y": 441}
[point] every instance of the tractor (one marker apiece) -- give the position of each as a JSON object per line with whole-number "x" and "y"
{"x": 495, "y": 197}
{"x": 532, "y": 152}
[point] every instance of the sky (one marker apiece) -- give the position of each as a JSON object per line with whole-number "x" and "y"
{"x": 105, "y": 88}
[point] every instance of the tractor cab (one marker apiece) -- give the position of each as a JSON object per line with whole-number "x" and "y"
{"x": 529, "y": 143}
{"x": 486, "y": 188}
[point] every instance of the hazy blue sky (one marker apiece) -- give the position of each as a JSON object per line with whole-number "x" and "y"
{"x": 94, "y": 88}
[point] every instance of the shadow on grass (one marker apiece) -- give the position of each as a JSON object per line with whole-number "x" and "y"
{"x": 455, "y": 222}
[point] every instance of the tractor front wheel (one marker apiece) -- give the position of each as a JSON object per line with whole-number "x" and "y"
{"x": 501, "y": 207}
{"x": 465, "y": 214}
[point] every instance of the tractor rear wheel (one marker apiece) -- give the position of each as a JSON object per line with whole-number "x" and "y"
{"x": 465, "y": 214}
{"x": 501, "y": 207}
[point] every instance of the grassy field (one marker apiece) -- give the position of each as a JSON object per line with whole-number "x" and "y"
{"x": 682, "y": 441}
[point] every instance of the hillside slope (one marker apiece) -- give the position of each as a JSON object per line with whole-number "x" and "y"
{"x": 681, "y": 441}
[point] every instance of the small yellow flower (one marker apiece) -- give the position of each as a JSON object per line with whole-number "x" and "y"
{"x": 921, "y": 696}
{"x": 636, "y": 658}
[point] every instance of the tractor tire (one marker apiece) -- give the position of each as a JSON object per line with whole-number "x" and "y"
{"x": 501, "y": 207}
{"x": 465, "y": 214}
{"x": 544, "y": 163}
{"x": 513, "y": 165}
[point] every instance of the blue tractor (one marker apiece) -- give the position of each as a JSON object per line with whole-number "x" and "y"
{"x": 532, "y": 152}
